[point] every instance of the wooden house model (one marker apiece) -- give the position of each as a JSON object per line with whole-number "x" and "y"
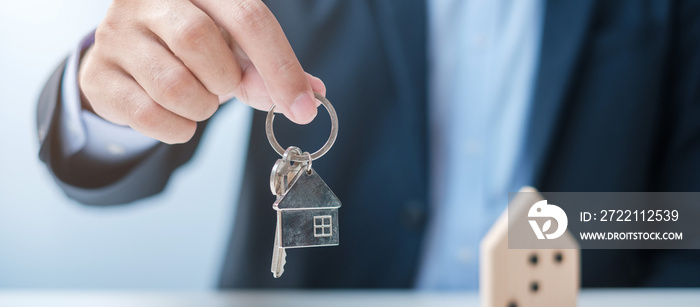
{"x": 538, "y": 277}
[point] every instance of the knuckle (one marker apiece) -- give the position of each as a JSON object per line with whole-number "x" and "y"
{"x": 106, "y": 30}
{"x": 288, "y": 67}
{"x": 173, "y": 83}
{"x": 227, "y": 79}
{"x": 112, "y": 105}
{"x": 93, "y": 67}
{"x": 195, "y": 30}
{"x": 104, "y": 111}
{"x": 88, "y": 76}
{"x": 100, "y": 106}
{"x": 102, "y": 32}
{"x": 145, "y": 117}
{"x": 91, "y": 82}
{"x": 100, "y": 110}
{"x": 252, "y": 14}
{"x": 178, "y": 89}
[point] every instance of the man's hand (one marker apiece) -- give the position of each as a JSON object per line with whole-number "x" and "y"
{"x": 160, "y": 66}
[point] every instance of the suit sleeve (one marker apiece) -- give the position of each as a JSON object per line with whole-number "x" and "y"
{"x": 680, "y": 151}
{"x": 98, "y": 183}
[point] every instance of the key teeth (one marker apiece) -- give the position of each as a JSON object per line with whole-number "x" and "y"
{"x": 284, "y": 259}
{"x": 281, "y": 262}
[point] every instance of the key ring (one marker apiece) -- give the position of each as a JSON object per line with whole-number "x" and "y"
{"x": 296, "y": 158}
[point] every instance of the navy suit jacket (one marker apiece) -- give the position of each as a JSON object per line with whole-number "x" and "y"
{"x": 616, "y": 108}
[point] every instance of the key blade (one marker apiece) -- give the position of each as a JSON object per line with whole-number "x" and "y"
{"x": 279, "y": 262}
{"x": 279, "y": 255}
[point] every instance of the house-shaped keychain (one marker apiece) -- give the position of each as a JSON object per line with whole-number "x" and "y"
{"x": 307, "y": 212}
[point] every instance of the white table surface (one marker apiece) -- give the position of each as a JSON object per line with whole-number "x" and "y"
{"x": 598, "y": 298}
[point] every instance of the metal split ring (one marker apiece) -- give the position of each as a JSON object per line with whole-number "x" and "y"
{"x": 308, "y": 165}
{"x": 303, "y": 158}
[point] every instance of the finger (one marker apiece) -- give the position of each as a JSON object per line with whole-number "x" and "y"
{"x": 170, "y": 83}
{"x": 226, "y": 97}
{"x": 253, "y": 27}
{"x": 116, "y": 97}
{"x": 198, "y": 42}
{"x": 263, "y": 101}
{"x": 317, "y": 85}
{"x": 254, "y": 93}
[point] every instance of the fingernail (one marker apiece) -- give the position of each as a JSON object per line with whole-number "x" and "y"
{"x": 304, "y": 108}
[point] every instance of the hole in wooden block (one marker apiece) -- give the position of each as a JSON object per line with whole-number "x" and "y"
{"x": 558, "y": 257}
{"x": 533, "y": 259}
{"x": 534, "y": 286}
{"x": 512, "y": 304}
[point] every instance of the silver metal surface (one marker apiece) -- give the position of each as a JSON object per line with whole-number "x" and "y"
{"x": 298, "y": 228}
{"x": 307, "y": 199}
{"x": 279, "y": 254}
{"x": 308, "y": 164}
{"x": 307, "y": 209}
{"x": 283, "y": 171}
{"x": 303, "y": 198}
{"x": 269, "y": 130}
{"x": 322, "y": 225}
{"x": 280, "y": 177}
{"x": 307, "y": 191}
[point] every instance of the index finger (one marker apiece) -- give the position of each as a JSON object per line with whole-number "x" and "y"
{"x": 256, "y": 30}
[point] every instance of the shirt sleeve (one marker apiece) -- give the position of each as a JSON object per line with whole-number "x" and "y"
{"x": 85, "y": 133}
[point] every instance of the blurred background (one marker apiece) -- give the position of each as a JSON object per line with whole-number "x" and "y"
{"x": 175, "y": 240}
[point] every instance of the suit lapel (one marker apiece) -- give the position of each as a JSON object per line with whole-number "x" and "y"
{"x": 565, "y": 27}
{"x": 403, "y": 29}
{"x": 402, "y": 26}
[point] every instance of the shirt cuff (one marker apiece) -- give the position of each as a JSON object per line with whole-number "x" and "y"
{"x": 81, "y": 131}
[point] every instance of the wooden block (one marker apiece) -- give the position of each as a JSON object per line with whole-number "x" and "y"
{"x": 526, "y": 277}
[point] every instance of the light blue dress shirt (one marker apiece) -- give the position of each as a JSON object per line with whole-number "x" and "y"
{"x": 483, "y": 56}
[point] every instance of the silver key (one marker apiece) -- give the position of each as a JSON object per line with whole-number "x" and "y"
{"x": 307, "y": 210}
{"x": 279, "y": 255}
{"x": 279, "y": 180}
